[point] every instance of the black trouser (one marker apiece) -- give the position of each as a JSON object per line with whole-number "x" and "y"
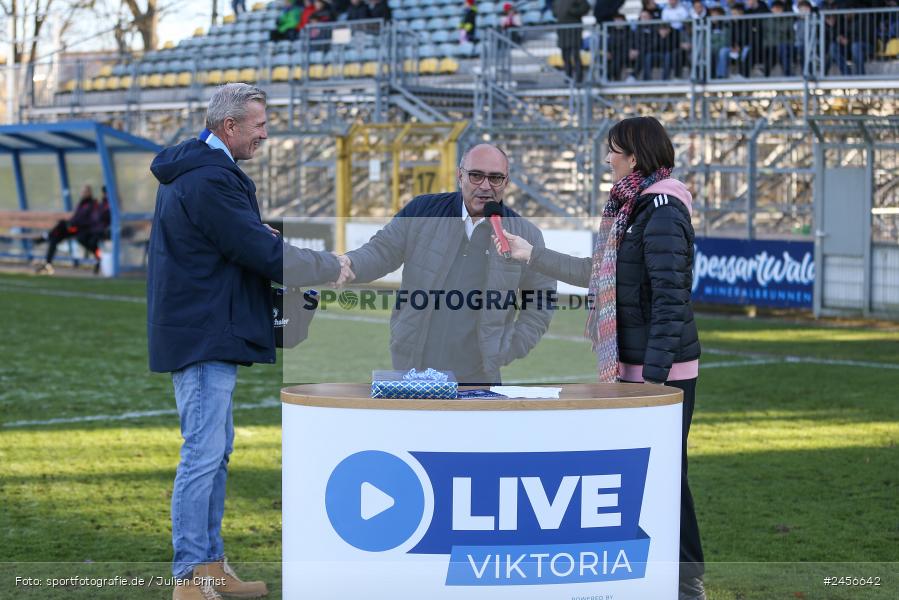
{"x": 692, "y": 561}
{"x": 62, "y": 231}
{"x": 571, "y": 57}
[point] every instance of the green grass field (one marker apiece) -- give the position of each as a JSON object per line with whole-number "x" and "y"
{"x": 794, "y": 458}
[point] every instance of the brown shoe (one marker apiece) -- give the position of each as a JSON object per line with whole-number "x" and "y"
{"x": 195, "y": 588}
{"x": 227, "y": 583}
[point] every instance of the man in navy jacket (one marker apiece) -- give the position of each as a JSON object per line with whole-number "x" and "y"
{"x": 211, "y": 260}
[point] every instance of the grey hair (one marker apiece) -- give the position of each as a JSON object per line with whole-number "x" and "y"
{"x": 494, "y": 146}
{"x": 230, "y": 101}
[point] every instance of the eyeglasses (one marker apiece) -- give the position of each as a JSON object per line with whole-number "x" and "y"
{"x": 477, "y": 178}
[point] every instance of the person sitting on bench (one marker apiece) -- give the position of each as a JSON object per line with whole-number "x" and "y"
{"x": 80, "y": 226}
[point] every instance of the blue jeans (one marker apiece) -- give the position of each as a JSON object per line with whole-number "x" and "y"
{"x": 203, "y": 396}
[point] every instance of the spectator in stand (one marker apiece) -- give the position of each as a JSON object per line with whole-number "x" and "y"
{"x": 357, "y": 11}
{"x": 675, "y": 13}
{"x": 848, "y": 36}
{"x": 308, "y": 11}
{"x": 888, "y": 23}
{"x": 606, "y": 10}
{"x": 510, "y": 22}
{"x": 339, "y": 9}
{"x": 698, "y": 10}
{"x": 239, "y": 4}
{"x": 569, "y": 13}
{"x": 803, "y": 9}
{"x": 719, "y": 32}
{"x": 619, "y": 46}
{"x": 288, "y": 22}
{"x": 642, "y": 42}
{"x": 468, "y": 27}
{"x": 757, "y": 28}
{"x": 777, "y": 39}
{"x": 740, "y": 47}
{"x": 320, "y": 37}
{"x": 663, "y": 51}
{"x": 379, "y": 9}
{"x": 80, "y": 226}
{"x": 654, "y": 9}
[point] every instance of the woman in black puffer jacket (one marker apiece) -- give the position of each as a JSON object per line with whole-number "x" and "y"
{"x": 640, "y": 278}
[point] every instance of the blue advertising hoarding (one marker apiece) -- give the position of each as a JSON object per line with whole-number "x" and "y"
{"x": 761, "y": 272}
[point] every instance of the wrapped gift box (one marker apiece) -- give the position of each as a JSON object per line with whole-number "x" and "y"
{"x": 429, "y": 384}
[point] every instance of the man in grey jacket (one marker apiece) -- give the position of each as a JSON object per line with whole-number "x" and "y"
{"x": 461, "y": 306}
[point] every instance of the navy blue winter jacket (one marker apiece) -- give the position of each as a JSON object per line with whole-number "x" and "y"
{"x": 211, "y": 261}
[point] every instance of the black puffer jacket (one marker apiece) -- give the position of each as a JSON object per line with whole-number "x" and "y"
{"x": 654, "y": 277}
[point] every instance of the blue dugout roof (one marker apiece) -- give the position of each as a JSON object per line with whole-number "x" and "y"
{"x": 70, "y": 136}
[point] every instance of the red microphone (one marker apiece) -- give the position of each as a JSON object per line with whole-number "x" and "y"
{"x": 493, "y": 211}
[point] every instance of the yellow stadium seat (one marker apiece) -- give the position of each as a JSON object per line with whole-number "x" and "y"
{"x": 409, "y": 65}
{"x": 183, "y": 79}
{"x": 231, "y": 76}
{"x": 320, "y": 71}
{"x": 585, "y": 58}
{"x": 143, "y": 80}
{"x": 247, "y": 74}
{"x": 297, "y": 73}
{"x": 892, "y": 49}
{"x": 99, "y": 84}
{"x": 370, "y": 69}
{"x": 125, "y": 82}
{"x": 105, "y": 71}
{"x": 70, "y": 85}
{"x": 449, "y": 66}
{"x": 113, "y": 83}
{"x": 154, "y": 80}
{"x": 214, "y": 77}
{"x": 352, "y": 70}
{"x": 87, "y": 85}
{"x": 199, "y": 31}
{"x": 281, "y": 73}
{"x": 428, "y": 66}
{"x": 229, "y": 18}
{"x": 555, "y": 61}
{"x": 168, "y": 45}
{"x": 169, "y": 79}
{"x": 258, "y": 6}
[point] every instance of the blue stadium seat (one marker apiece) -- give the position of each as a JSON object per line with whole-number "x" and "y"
{"x": 430, "y": 12}
{"x": 428, "y": 51}
{"x": 467, "y": 49}
{"x": 441, "y": 36}
{"x": 417, "y": 24}
{"x": 370, "y": 54}
{"x": 450, "y": 49}
{"x": 490, "y": 20}
{"x": 486, "y": 8}
{"x": 282, "y": 58}
{"x": 415, "y": 12}
{"x": 316, "y": 57}
{"x": 532, "y": 17}
{"x": 400, "y": 14}
{"x": 451, "y": 10}
{"x": 434, "y": 24}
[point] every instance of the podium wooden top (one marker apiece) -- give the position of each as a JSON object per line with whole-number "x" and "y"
{"x": 572, "y": 397}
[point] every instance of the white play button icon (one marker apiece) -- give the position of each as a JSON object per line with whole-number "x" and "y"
{"x": 373, "y": 501}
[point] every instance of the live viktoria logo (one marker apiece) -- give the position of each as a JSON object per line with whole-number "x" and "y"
{"x": 383, "y": 299}
{"x": 503, "y": 518}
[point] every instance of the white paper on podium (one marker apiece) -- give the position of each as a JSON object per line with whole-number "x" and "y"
{"x": 518, "y": 391}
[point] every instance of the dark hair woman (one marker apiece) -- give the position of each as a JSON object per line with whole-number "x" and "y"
{"x": 640, "y": 279}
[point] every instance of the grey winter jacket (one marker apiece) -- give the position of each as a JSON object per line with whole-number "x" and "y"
{"x": 424, "y": 237}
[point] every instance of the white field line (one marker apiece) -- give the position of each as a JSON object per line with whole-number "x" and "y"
{"x": 143, "y": 414}
{"x": 758, "y": 356}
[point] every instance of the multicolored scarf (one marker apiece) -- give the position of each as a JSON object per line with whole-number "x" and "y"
{"x": 602, "y": 319}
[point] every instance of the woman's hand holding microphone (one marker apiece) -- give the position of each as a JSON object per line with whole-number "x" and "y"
{"x": 520, "y": 247}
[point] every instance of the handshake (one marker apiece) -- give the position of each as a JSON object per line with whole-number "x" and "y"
{"x": 346, "y": 270}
